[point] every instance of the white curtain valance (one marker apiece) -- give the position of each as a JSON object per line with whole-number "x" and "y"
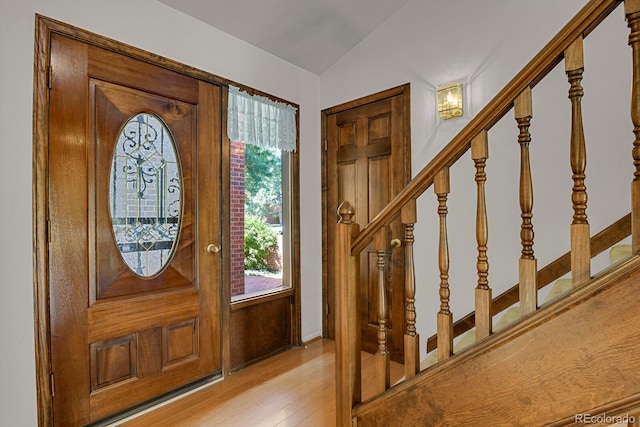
{"x": 258, "y": 120}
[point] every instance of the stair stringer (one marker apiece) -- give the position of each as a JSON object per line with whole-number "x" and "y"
{"x": 579, "y": 354}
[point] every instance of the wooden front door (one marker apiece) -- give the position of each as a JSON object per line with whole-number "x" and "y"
{"x": 134, "y": 206}
{"x": 367, "y": 162}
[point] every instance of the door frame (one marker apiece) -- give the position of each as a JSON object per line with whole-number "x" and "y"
{"x": 328, "y": 322}
{"x": 45, "y": 27}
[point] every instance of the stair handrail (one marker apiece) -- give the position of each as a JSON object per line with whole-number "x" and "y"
{"x": 582, "y": 23}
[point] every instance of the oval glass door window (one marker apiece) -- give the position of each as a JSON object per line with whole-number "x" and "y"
{"x": 145, "y": 194}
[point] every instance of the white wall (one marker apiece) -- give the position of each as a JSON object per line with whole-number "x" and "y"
{"x": 491, "y": 40}
{"x": 484, "y": 44}
{"x": 175, "y": 36}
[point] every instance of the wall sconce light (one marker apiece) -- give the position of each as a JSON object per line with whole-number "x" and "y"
{"x": 450, "y": 100}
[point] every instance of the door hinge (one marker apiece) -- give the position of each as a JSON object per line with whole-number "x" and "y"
{"x": 326, "y": 309}
{"x": 53, "y": 386}
{"x": 48, "y": 231}
{"x": 49, "y": 76}
{"x": 326, "y": 145}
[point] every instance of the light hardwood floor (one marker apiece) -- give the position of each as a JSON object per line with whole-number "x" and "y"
{"x": 295, "y": 388}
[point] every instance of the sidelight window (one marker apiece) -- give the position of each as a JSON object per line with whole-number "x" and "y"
{"x": 262, "y": 134}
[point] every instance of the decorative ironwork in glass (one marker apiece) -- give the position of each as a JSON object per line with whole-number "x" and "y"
{"x": 145, "y": 194}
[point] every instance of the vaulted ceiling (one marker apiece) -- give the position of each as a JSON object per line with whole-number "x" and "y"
{"x": 312, "y": 34}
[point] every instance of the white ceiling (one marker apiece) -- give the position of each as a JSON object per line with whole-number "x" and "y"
{"x": 312, "y": 34}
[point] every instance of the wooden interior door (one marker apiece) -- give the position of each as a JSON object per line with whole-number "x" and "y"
{"x": 367, "y": 162}
{"x": 122, "y": 331}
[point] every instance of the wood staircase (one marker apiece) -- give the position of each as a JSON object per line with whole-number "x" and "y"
{"x": 568, "y": 359}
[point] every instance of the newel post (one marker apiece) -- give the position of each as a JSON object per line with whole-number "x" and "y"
{"x": 348, "y": 393}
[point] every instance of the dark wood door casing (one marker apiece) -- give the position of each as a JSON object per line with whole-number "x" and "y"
{"x": 366, "y": 159}
{"x": 43, "y": 228}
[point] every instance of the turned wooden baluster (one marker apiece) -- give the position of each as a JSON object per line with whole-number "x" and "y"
{"x": 480, "y": 154}
{"x": 528, "y": 266}
{"x": 382, "y": 355}
{"x": 411, "y": 337}
{"x": 580, "y": 232}
{"x": 632, "y": 10}
{"x": 441, "y": 188}
{"x": 348, "y": 384}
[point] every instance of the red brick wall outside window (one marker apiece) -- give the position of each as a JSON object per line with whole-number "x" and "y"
{"x": 237, "y": 218}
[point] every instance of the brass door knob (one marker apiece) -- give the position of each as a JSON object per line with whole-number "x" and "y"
{"x": 395, "y": 243}
{"x": 212, "y": 249}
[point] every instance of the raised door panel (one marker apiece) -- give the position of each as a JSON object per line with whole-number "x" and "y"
{"x": 113, "y": 361}
{"x": 146, "y": 149}
{"x": 347, "y": 172}
{"x": 379, "y": 185}
{"x": 260, "y": 329}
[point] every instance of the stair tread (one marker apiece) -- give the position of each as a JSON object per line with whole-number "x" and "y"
{"x": 619, "y": 252}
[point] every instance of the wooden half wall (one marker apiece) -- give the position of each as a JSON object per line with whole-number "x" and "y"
{"x": 580, "y": 354}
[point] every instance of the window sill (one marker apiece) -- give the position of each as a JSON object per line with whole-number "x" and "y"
{"x": 241, "y": 301}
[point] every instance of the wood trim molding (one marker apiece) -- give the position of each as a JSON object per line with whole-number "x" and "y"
{"x": 388, "y": 93}
{"x": 270, "y": 296}
{"x": 58, "y": 27}
{"x": 225, "y": 179}
{"x": 40, "y": 185}
{"x": 296, "y": 261}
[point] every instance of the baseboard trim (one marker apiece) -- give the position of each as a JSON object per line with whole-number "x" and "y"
{"x": 316, "y": 335}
